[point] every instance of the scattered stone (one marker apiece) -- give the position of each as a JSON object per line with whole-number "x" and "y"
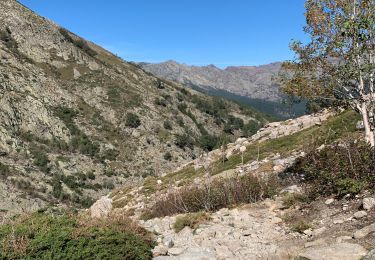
{"x": 343, "y": 238}
{"x": 292, "y": 189}
{"x": 370, "y": 255}
{"x": 315, "y": 243}
{"x": 159, "y": 250}
{"x": 176, "y": 251}
{"x": 368, "y": 203}
{"x": 168, "y": 242}
{"x": 159, "y": 182}
{"x": 329, "y": 201}
{"x": 360, "y": 214}
{"x": 364, "y": 231}
{"x": 308, "y": 232}
{"x": 339, "y": 251}
{"x": 101, "y": 208}
{"x": 319, "y": 231}
{"x": 338, "y": 221}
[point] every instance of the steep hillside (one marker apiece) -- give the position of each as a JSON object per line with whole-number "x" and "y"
{"x": 77, "y": 121}
{"x": 253, "y": 85}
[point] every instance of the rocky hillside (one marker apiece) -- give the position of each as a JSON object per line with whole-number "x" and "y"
{"x": 77, "y": 121}
{"x": 226, "y": 204}
{"x": 254, "y": 85}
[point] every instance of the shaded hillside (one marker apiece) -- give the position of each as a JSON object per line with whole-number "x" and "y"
{"x": 252, "y": 85}
{"x": 77, "y": 121}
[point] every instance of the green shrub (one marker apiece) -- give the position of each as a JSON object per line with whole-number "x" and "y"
{"x": 168, "y": 156}
{"x": 40, "y": 158}
{"x": 214, "y": 195}
{"x": 339, "y": 169}
{"x": 82, "y": 44}
{"x": 4, "y": 170}
{"x": 168, "y": 125}
{"x": 132, "y": 120}
{"x": 44, "y": 236}
{"x": 192, "y": 220}
{"x": 160, "y": 102}
{"x": 208, "y": 142}
{"x": 180, "y": 121}
{"x": 183, "y": 141}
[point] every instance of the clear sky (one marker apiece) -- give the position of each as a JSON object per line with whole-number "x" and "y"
{"x": 196, "y": 32}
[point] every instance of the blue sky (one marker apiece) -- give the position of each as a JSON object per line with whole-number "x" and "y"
{"x": 196, "y": 32}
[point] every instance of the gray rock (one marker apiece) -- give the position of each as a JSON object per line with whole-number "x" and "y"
{"x": 160, "y": 250}
{"x": 360, "y": 214}
{"x": 174, "y": 251}
{"x": 101, "y": 208}
{"x": 292, "y": 189}
{"x": 368, "y": 203}
{"x": 370, "y": 255}
{"x": 364, "y": 231}
{"x": 329, "y": 201}
{"x": 168, "y": 242}
{"x": 339, "y": 251}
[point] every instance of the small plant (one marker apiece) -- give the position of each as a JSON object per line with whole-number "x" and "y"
{"x": 192, "y": 220}
{"x": 168, "y": 125}
{"x": 40, "y": 158}
{"x": 4, "y": 170}
{"x": 292, "y": 199}
{"x": 183, "y": 141}
{"x": 300, "y": 226}
{"x": 132, "y": 120}
{"x": 168, "y": 156}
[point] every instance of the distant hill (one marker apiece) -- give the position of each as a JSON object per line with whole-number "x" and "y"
{"x": 253, "y": 85}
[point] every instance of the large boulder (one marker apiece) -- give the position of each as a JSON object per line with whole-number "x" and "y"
{"x": 339, "y": 251}
{"x": 101, "y": 208}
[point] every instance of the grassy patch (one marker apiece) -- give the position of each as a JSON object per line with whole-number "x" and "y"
{"x": 192, "y": 220}
{"x": 330, "y": 130}
{"x": 214, "y": 195}
{"x": 44, "y": 236}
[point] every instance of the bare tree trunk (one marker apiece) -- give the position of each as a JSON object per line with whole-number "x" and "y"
{"x": 369, "y": 133}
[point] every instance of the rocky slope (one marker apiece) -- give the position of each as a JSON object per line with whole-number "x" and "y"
{"x": 269, "y": 229}
{"x": 77, "y": 121}
{"x": 251, "y": 81}
{"x": 254, "y": 85}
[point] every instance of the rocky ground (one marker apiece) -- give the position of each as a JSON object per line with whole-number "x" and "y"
{"x": 271, "y": 229}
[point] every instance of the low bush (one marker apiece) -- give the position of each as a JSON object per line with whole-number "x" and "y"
{"x": 168, "y": 125}
{"x": 341, "y": 169}
{"x": 132, "y": 120}
{"x": 192, "y": 220}
{"x": 208, "y": 142}
{"x": 168, "y": 156}
{"x": 4, "y": 170}
{"x": 183, "y": 141}
{"x": 40, "y": 158}
{"x": 69, "y": 236}
{"x": 214, "y": 195}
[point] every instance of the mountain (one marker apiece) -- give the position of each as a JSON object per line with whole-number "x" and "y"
{"x": 76, "y": 121}
{"x": 253, "y": 85}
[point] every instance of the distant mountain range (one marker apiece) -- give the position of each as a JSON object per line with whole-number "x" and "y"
{"x": 253, "y": 85}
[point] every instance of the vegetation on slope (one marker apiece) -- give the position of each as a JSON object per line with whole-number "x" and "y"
{"x": 69, "y": 236}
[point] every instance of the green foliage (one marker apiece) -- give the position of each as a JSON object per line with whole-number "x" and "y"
{"x": 168, "y": 156}
{"x": 132, "y": 120}
{"x": 180, "y": 121}
{"x": 4, "y": 170}
{"x": 250, "y": 128}
{"x": 183, "y": 141}
{"x": 43, "y": 236}
{"x": 80, "y": 43}
{"x": 160, "y": 102}
{"x": 79, "y": 142}
{"x": 214, "y": 195}
{"x": 40, "y": 158}
{"x": 300, "y": 226}
{"x": 208, "y": 142}
{"x": 340, "y": 169}
{"x": 192, "y": 220}
{"x": 168, "y": 125}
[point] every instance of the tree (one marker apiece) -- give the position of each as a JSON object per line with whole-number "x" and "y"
{"x": 338, "y": 64}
